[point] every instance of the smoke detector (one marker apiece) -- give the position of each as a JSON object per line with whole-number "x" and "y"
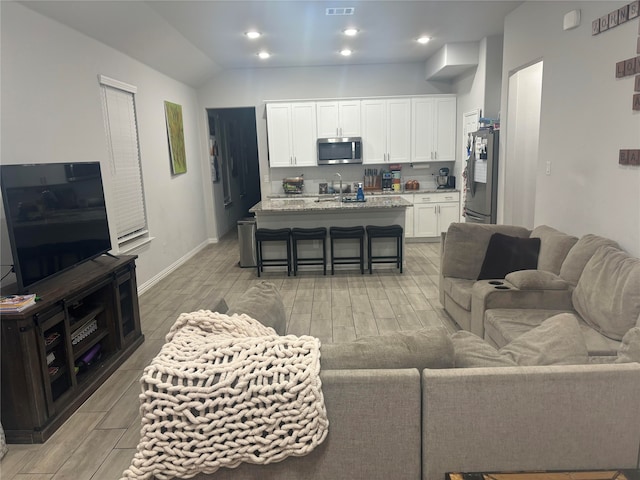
{"x": 340, "y": 11}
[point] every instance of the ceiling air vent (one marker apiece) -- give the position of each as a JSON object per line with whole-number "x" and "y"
{"x": 340, "y": 11}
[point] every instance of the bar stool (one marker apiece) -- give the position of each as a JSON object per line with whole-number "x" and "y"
{"x": 344, "y": 233}
{"x": 388, "y": 231}
{"x": 272, "y": 235}
{"x": 300, "y": 234}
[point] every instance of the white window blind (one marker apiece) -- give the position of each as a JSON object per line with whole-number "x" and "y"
{"x": 122, "y": 139}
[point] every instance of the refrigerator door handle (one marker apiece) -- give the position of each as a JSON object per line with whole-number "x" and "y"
{"x": 471, "y": 215}
{"x": 471, "y": 168}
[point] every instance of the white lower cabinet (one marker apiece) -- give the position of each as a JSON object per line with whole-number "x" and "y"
{"x": 434, "y": 212}
{"x": 408, "y": 217}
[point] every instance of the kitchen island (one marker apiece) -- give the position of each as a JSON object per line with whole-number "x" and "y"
{"x": 328, "y": 211}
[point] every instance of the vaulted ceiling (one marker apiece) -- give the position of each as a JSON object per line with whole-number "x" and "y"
{"x": 191, "y": 41}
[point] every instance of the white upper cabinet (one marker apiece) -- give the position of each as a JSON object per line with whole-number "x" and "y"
{"x": 338, "y": 119}
{"x": 386, "y": 130}
{"x": 433, "y": 129}
{"x": 292, "y": 134}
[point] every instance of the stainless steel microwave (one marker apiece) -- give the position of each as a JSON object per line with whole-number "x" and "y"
{"x": 332, "y": 151}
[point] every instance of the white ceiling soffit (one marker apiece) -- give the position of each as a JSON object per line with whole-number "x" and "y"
{"x": 452, "y": 60}
{"x": 191, "y": 41}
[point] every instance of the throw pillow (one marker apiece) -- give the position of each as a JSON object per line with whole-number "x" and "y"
{"x": 536, "y": 280}
{"x": 472, "y": 351}
{"x": 424, "y": 348}
{"x": 506, "y": 254}
{"x": 264, "y": 303}
{"x": 629, "y": 350}
{"x": 557, "y": 341}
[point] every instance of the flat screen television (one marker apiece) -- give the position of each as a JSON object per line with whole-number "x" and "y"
{"x": 56, "y": 218}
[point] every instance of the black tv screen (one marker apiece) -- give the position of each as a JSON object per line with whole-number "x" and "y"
{"x": 56, "y": 217}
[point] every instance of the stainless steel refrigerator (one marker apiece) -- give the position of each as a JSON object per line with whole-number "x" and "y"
{"x": 482, "y": 177}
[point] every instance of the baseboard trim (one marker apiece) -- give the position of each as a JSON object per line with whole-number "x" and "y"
{"x": 171, "y": 268}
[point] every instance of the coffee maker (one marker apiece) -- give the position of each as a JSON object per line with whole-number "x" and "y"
{"x": 387, "y": 182}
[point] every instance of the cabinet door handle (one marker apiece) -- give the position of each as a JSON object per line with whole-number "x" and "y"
{"x": 436, "y": 155}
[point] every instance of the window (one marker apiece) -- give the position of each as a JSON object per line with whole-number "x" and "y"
{"x": 118, "y": 104}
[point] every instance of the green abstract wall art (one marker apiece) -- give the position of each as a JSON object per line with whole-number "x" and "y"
{"x": 175, "y": 131}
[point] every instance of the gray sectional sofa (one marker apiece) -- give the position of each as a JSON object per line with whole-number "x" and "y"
{"x": 398, "y": 409}
{"x": 590, "y": 278}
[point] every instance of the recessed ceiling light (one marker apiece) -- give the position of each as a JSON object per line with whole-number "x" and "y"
{"x": 264, "y": 55}
{"x": 253, "y": 34}
{"x": 424, "y": 39}
{"x": 345, "y": 52}
{"x": 351, "y": 32}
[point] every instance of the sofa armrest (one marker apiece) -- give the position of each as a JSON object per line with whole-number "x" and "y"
{"x": 487, "y": 294}
{"x": 374, "y": 432}
{"x": 530, "y": 418}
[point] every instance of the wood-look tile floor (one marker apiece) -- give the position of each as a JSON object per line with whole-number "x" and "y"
{"x": 99, "y": 440}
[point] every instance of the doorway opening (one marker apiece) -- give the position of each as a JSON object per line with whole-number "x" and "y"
{"x": 235, "y": 171}
{"x": 521, "y": 152}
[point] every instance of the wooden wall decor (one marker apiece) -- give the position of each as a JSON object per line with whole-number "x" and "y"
{"x": 615, "y": 18}
{"x": 625, "y": 68}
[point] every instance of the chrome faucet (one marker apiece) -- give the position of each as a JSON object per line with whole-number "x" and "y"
{"x": 340, "y": 192}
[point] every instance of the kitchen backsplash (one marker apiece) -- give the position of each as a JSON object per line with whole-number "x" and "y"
{"x": 313, "y": 176}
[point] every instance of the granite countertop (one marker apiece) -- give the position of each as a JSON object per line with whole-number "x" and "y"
{"x": 367, "y": 194}
{"x": 309, "y": 204}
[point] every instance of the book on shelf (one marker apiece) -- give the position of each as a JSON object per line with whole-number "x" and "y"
{"x": 16, "y": 303}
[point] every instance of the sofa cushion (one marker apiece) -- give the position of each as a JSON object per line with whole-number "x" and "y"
{"x": 554, "y": 247}
{"x": 630, "y": 348}
{"x": 465, "y": 245}
{"x": 264, "y": 303}
{"x": 536, "y": 280}
{"x": 424, "y": 348}
{"x": 503, "y": 325}
{"x": 472, "y": 351}
{"x": 580, "y": 254}
{"x": 506, "y": 254}
{"x": 607, "y": 296}
{"x": 557, "y": 341}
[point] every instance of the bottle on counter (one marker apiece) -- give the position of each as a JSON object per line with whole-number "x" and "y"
{"x": 360, "y": 193}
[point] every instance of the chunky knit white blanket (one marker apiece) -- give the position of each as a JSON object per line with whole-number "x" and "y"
{"x": 225, "y": 390}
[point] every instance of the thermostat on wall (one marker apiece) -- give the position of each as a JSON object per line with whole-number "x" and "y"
{"x": 571, "y": 20}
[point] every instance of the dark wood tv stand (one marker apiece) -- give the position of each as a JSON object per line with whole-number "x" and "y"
{"x": 47, "y": 367}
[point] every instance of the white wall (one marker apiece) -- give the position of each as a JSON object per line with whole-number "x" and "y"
{"x": 241, "y": 88}
{"x": 522, "y": 121}
{"x": 586, "y": 118}
{"x": 51, "y": 112}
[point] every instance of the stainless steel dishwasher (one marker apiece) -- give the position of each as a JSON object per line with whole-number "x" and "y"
{"x": 247, "y": 242}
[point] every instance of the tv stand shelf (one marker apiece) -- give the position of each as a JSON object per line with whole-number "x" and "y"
{"x": 56, "y": 353}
